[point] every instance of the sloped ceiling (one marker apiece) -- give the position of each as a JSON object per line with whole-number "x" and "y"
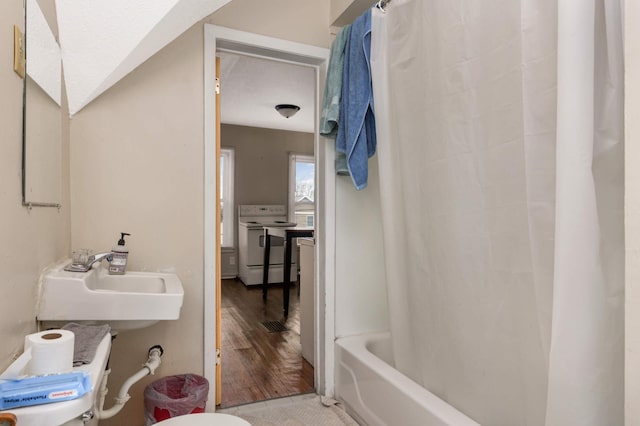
{"x": 104, "y": 40}
{"x": 101, "y": 41}
{"x": 43, "y": 53}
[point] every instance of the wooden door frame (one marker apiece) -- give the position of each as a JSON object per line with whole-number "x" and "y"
{"x": 221, "y": 38}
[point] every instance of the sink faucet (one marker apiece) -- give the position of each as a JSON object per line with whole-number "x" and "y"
{"x": 99, "y": 257}
{"x": 84, "y": 267}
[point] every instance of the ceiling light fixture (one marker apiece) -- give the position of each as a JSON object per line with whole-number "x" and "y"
{"x": 287, "y": 110}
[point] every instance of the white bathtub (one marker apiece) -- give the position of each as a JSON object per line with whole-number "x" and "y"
{"x": 375, "y": 393}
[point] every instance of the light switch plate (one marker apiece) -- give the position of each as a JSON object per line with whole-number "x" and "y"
{"x": 18, "y": 51}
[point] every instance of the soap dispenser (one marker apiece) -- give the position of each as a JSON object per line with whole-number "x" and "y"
{"x": 118, "y": 264}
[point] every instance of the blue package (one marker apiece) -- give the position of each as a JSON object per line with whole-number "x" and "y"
{"x": 35, "y": 390}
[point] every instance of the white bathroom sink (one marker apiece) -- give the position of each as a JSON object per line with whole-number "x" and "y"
{"x": 130, "y": 301}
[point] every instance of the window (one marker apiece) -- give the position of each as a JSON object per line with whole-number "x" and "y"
{"x": 226, "y": 197}
{"x": 301, "y": 189}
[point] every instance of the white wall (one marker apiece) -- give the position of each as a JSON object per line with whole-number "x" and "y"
{"x": 32, "y": 239}
{"x": 632, "y": 213}
{"x": 360, "y": 285}
{"x": 361, "y": 299}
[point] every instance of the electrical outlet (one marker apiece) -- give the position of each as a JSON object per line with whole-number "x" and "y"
{"x": 18, "y": 52}
{"x": 232, "y": 260}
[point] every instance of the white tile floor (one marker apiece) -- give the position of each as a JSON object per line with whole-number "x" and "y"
{"x": 296, "y": 410}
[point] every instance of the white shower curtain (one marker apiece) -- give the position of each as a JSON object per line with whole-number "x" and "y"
{"x": 500, "y": 152}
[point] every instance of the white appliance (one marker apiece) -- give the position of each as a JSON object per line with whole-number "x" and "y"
{"x": 252, "y": 218}
{"x": 307, "y": 301}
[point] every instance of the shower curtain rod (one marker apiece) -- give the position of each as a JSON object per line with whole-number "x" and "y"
{"x": 382, "y": 4}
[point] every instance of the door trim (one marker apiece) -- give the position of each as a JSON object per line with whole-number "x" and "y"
{"x": 222, "y": 38}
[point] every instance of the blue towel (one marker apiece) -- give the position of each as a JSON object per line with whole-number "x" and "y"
{"x": 333, "y": 86}
{"x": 356, "y": 126}
{"x": 332, "y": 92}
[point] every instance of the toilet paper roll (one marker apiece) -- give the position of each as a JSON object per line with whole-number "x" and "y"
{"x": 51, "y": 352}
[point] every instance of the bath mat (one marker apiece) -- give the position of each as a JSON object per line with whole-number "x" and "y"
{"x": 274, "y": 326}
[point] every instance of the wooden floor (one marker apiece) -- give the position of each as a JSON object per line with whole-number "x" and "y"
{"x": 257, "y": 364}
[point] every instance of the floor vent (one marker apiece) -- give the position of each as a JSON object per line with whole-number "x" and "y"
{"x": 274, "y": 326}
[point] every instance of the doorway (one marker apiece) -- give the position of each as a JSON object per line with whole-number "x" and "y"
{"x": 262, "y": 355}
{"x": 219, "y": 38}
{"x": 261, "y": 360}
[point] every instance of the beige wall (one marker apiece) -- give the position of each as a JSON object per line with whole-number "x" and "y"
{"x": 344, "y": 12}
{"x": 137, "y": 166}
{"x": 632, "y": 214}
{"x": 301, "y": 21}
{"x": 261, "y": 174}
{"x": 262, "y": 161}
{"x": 32, "y": 239}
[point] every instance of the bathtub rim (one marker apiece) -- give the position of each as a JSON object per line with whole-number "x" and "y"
{"x": 356, "y": 346}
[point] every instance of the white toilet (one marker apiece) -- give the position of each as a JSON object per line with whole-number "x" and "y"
{"x": 77, "y": 412}
{"x": 205, "y": 419}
